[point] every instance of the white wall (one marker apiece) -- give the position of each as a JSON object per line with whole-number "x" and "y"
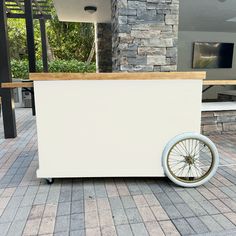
{"x": 185, "y": 56}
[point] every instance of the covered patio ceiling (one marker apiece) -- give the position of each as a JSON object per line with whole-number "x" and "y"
{"x": 16, "y": 9}
{"x": 74, "y": 10}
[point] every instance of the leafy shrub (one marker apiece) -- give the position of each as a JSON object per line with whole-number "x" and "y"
{"x": 20, "y": 69}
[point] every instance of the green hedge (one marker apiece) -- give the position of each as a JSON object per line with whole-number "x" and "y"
{"x": 19, "y": 68}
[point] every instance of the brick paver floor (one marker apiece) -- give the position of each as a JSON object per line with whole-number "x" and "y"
{"x": 123, "y": 207}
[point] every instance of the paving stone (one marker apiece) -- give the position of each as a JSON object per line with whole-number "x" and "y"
{"x": 209, "y": 207}
{"x": 211, "y": 223}
{"x": 90, "y": 205}
{"x": 77, "y": 233}
{"x": 183, "y": 227}
{"x": 62, "y": 224}
{"x": 144, "y": 188}
{"x": 105, "y": 218}
{"x": 115, "y": 203}
{"x": 231, "y": 203}
{"x": 32, "y": 227}
{"x": 231, "y": 216}
{"x": 146, "y": 214}
{"x": 184, "y": 210}
{"x": 139, "y": 229}
{"x": 4, "y": 228}
{"x": 91, "y": 219}
{"x": 174, "y": 197}
{"x": 20, "y": 191}
{"x": 108, "y": 231}
{"x": 133, "y": 215}
{"x": 196, "y": 195}
{"x": 103, "y": 204}
{"x": 77, "y": 207}
{"x": 224, "y": 222}
{"x": 220, "y": 206}
{"x": 22, "y": 213}
{"x": 66, "y": 233}
{"x": 154, "y": 187}
{"x": 172, "y": 212}
{"x": 154, "y": 229}
{"x": 128, "y": 202}
{"x": 159, "y": 213}
{"x": 206, "y": 193}
{"x": 77, "y": 195}
{"x": 47, "y": 225}
{"x": 163, "y": 199}
{"x": 93, "y": 232}
{"x": 124, "y": 230}
{"x": 133, "y": 187}
{"x": 111, "y": 188}
{"x": 140, "y": 201}
{"x": 169, "y": 228}
{"x": 16, "y": 228}
{"x": 228, "y": 192}
{"x": 197, "y": 209}
{"x": 64, "y": 208}
{"x": 151, "y": 200}
{"x": 36, "y": 211}
{"x": 119, "y": 216}
{"x": 100, "y": 190}
{"x": 77, "y": 222}
{"x": 197, "y": 225}
{"x": 122, "y": 188}
{"x": 186, "y": 196}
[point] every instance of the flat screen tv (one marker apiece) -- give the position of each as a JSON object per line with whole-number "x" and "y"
{"x": 213, "y": 55}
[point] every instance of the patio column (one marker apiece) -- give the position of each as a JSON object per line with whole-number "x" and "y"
{"x": 44, "y": 44}
{"x": 30, "y": 42}
{"x": 103, "y": 47}
{"x": 8, "y": 110}
{"x": 145, "y": 35}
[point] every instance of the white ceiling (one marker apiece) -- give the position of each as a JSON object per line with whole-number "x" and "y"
{"x": 207, "y": 15}
{"x": 195, "y": 15}
{"x": 73, "y": 10}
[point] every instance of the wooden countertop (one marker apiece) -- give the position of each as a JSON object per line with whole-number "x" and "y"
{"x": 118, "y": 76}
{"x": 219, "y": 82}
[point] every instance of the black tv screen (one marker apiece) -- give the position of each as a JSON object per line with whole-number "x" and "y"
{"x": 213, "y": 55}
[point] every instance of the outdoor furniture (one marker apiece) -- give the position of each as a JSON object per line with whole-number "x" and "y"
{"x": 229, "y": 95}
{"x": 122, "y": 125}
{"x": 212, "y": 83}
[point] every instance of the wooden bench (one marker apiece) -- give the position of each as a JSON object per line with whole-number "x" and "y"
{"x": 27, "y": 85}
{"x": 211, "y": 83}
{"x": 17, "y": 85}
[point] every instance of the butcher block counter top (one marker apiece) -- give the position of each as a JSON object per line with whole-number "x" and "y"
{"x": 119, "y": 76}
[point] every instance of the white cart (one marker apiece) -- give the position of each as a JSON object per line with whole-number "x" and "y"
{"x": 123, "y": 125}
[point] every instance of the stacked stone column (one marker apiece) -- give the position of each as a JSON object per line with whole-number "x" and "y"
{"x": 144, "y": 35}
{"x": 103, "y": 47}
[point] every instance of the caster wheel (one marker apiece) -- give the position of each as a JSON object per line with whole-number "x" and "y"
{"x": 50, "y": 180}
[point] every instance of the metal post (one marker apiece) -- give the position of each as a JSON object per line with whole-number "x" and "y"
{"x": 8, "y": 110}
{"x": 44, "y": 44}
{"x": 30, "y": 42}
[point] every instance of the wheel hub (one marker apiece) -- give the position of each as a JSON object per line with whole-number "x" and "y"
{"x": 189, "y": 160}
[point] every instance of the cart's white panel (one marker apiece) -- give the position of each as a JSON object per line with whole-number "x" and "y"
{"x": 111, "y": 127}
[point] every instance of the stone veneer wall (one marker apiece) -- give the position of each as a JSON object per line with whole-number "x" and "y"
{"x": 218, "y": 122}
{"x": 144, "y": 35}
{"x": 104, "y": 47}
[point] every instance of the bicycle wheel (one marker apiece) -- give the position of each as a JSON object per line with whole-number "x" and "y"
{"x": 190, "y": 159}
